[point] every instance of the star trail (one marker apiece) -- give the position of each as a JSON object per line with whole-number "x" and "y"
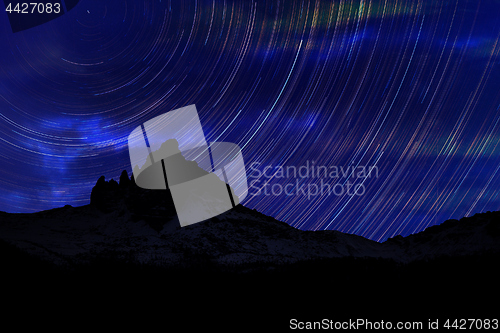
{"x": 408, "y": 87}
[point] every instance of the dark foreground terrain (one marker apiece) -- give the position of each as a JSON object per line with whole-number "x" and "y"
{"x": 124, "y": 254}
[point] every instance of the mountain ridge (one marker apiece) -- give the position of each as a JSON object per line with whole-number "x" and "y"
{"x": 138, "y": 225}
{"x": 127, "y": 249}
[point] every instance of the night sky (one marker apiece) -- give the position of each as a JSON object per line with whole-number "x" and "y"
{"x": 408, "y": 87}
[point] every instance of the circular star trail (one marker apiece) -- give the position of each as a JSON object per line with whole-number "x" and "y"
{"x": 406, "y": 88}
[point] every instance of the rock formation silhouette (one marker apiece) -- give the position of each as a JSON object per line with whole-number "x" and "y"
{"x": 127, "y": 236}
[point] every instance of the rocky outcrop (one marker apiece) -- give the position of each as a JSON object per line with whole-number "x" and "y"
{"x": 156, "y": 207}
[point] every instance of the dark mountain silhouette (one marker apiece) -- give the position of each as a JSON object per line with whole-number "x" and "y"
{"x": 128, "y": 241}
